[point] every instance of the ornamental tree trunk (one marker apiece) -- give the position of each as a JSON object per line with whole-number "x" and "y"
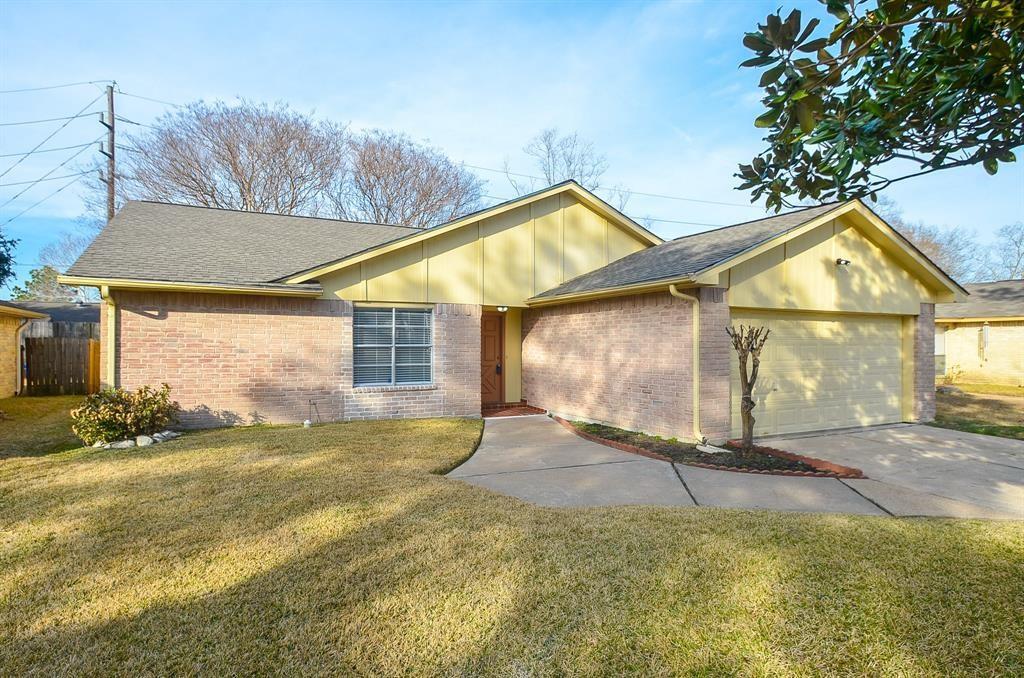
{"x": 748, "y": 342}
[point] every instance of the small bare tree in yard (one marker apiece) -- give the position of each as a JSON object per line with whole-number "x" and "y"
{"x": 748, "y": 342}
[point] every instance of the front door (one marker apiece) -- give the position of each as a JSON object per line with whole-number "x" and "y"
{"x": 492, "y": 351}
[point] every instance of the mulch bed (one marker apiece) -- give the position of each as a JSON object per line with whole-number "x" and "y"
{"x": 764, "y": 460}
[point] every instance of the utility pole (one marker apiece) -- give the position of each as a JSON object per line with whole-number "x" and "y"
{"x": 108, "y": 122}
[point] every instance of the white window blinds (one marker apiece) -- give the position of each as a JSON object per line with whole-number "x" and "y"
{"x": 392, "y": 346}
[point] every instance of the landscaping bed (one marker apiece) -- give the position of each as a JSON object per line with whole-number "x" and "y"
{"x": 760, "y": 459}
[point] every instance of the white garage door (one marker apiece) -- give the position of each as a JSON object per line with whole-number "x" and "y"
{"x": 822, "y": 372}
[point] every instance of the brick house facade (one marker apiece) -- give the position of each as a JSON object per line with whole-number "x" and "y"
{"x": 628, "y": 362}
{"x": 236, "y": 359}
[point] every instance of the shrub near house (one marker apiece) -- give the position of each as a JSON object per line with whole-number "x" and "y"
{"x": 117, "y": 414}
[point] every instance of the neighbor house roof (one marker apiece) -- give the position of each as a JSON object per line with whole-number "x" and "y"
{"x": 65, "y": 312}
{"x": 688, "y": 255}
{"x": 9, "y": 308}
{"x": 1000, "y": 299}
{"x": 180, "y": 243}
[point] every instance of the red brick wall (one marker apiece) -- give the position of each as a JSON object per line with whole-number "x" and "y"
{"x": 625, "y": 361}
{"x": 233, "y": 359}
{"x": 924, "y": 364}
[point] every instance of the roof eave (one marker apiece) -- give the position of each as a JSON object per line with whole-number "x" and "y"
{"x": 21, "y": 312}
{"x": 308, "y": 291}
{"x": 617, "y": 291}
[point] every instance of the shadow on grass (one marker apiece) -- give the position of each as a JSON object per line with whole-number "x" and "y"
{"x": 335, "y": 550}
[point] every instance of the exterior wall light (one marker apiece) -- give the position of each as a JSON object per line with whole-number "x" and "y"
{"x": 842, "y": 262}
{"x": 502, "y": 309}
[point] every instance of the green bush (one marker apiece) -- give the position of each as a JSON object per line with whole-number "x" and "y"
{"x": 116, "y": 414}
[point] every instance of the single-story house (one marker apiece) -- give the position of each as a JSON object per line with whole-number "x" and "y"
{"x": 982, "y": 340}
{"x": 13, "y": 319}
{"x": 554, "y": 298}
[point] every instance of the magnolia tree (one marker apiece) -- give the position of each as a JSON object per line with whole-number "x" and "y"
{"x": 748, "y": 342}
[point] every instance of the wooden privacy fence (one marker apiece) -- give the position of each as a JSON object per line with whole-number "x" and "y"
{"x": 61, "y": 366}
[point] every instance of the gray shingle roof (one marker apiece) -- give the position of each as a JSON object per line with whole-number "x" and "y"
{"x": 182, "y": 243}
{"x": 988, "y": 299}
{"x": 687, "y": 255}
{"x": 60, "y": 311}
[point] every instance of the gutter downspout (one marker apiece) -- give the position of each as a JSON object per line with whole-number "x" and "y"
{"x": 111, "y": 338}
{"x": 695, "y": 303}
{"x": 17, "y": 342}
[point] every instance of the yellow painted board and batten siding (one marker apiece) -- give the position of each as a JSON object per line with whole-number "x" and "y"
{"x": 802, "y": 274}
{"x": 501, "y": 261}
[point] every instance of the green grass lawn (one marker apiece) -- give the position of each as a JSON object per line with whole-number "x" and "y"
{"x": 338, "y": 550}
{"x": 991, "y": 389}
{"x": 976, "y": 412}
{"x": 36, "y": 425}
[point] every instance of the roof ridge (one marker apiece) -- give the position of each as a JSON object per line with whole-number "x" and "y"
{"x": 754, "y": 221}
{"x": 275, "y": 214}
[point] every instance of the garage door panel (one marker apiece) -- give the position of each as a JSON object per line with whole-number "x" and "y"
{"x": 822, "y": 372}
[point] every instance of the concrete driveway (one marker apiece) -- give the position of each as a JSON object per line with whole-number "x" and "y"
{"x": 537, "y": 460}
{"x": 909, "y": 462}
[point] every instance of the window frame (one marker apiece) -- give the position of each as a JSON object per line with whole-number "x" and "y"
{"x": 394, "y": 346}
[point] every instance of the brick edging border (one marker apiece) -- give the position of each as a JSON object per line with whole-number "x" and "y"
{"x": 827, "y": 469}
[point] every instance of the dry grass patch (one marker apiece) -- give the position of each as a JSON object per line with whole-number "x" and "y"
{"x": 37, "y": 425}
{"x": 337, "y": 550}
{"x": 986, "y": 414}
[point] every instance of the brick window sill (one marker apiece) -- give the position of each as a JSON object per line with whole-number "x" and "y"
{"x": 392, "y": 389}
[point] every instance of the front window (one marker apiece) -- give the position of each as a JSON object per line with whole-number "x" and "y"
{"x": 392, "y": 346}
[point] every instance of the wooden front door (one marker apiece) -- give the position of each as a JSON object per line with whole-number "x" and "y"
{"x": 492, "y": 352}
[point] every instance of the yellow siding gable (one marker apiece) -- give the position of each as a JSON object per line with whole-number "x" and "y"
{"x": 802, "y": 274}
{"x": 501, "y": 260}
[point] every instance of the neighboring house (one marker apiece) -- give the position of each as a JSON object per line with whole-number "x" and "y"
{"x": 13, "y": 319}
{"x": 554, "y": 298}
{"x": 63, "y": 319}
{"x": 983, "y": 339}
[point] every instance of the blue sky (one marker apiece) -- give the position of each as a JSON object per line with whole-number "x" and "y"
{"x": 654, "y": 85}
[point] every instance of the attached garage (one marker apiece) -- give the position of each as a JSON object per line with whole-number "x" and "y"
{"x": 823, "y": 371}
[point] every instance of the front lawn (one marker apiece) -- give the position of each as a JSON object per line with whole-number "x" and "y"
{"x": 994, "y": 415}
{"x": 991, "y": 389}
{"x": 37, "y": 425}
{"x": 337, "y": 550}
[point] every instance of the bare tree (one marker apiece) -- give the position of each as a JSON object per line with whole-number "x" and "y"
{"x": 560, "y": 158}
{"x": 248, "y": 156}
{"x": 748, "y": 342}
{"x": 1006, "y": 256}
{"x": 65, "y": 250}
{"x": 395, "y": 180}
{"x": 956, "y": 249}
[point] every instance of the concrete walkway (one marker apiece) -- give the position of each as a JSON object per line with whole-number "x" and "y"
{"x": 535, "y": 459}
{"x": 925, "y": 461}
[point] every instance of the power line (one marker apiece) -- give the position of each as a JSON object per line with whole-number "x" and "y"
{"x": 44, "y": 177}
{"x": 139, "y": 96}
{"x": 66, "y": 176}
{"x": 50, "y": 136}
{"x": 36, "y": 122}
{"x": 39, "y": 89}
{"x": 49, "y": 150}
{"x": 624, "y": 191}
{"x": 40, "y": 202}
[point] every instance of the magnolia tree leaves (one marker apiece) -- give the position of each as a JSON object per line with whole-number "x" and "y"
{"x": 934, "y": 84}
